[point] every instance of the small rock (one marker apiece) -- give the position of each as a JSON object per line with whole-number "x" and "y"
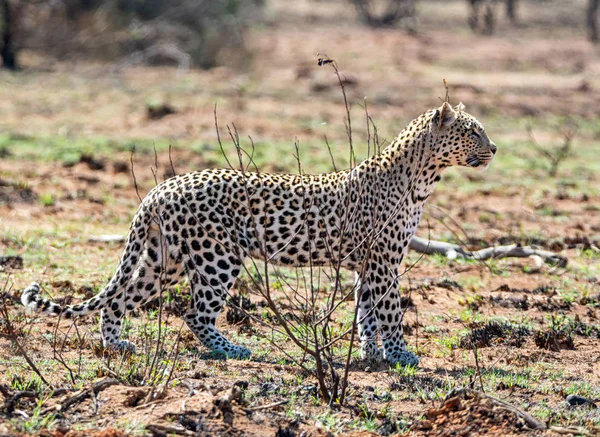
{"x": 11, "y": 262}
{"x": 578, "y": 400}
{"x": 92, "y": 163}
{"x": 285, "y": 432}
{"x": 267, "y": 387}
{"x": 385, "y": 397}
{"x": 241, "y": 384}
{"x": 309, "y": 388}
{"x": 425, "y": 425}
{"x": 452, "y": 404}
{"x": 156, "y": 112}
{"x": 120, "y": 167}
{"x": 224, "y": 401}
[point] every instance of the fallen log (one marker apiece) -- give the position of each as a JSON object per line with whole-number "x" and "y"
{"x": 454, "y": 251}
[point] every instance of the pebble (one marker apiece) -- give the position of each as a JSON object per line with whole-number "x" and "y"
{"x": 577, "y": 400}
{"x": 267, "y": 387}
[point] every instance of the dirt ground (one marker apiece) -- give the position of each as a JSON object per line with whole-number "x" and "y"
{"x": 65, "y": 179}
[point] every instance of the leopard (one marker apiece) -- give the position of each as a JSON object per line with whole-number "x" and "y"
{"x": 203, "y": 225}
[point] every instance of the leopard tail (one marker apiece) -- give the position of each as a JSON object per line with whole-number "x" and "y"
{"x": 134, "y": 248}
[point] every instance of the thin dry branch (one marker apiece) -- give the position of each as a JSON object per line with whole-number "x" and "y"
{"x": 267, "y": 406}
{"x": 575, "y": 430}
{"x": 81, "y": 395}
{"x": 558, "y": 154}
{"x": 4, "y": 314}
{"x": 164, "y": 430}
{"x": 11, "y": 400}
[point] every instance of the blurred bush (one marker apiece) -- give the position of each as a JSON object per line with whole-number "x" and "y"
{"x": 384, "y": 13}
{"x": 483, "y": 15}
{"x": 200, "y": 33}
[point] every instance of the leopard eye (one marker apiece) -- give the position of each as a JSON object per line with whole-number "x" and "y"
{"x": 475, "y": 134}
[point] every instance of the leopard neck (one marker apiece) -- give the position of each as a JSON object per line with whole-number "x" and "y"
{"x": 406, "y": 169}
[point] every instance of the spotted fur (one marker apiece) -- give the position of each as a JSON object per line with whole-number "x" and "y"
{"x": 204, "y": 224}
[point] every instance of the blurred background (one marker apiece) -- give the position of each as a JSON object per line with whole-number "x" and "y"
{"x": 154, "y": 69}
{"x": 85, "y": 81}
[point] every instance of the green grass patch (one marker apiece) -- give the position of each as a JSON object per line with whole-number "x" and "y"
{"x": 69, "y": 150}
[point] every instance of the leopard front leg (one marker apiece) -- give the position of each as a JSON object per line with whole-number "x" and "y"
{"x": 366, "y": 320}
{"x": 383, "y": 283}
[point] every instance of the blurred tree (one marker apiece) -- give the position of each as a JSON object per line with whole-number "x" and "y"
{"x": 8, "y": 51}
{"x": 482, "y": 18}
{"x": 511, "y": 10}
{"x": 384, "y": 13}
{"x": 592, "y": 19}
{"x": 202, "y": 29}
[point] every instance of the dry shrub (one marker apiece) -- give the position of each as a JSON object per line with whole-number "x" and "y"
{"x": 183, "y": 32}
{"x": 553, "y": 340}
{"x": 384, "y": 13}
{"x": 492, "y": 333}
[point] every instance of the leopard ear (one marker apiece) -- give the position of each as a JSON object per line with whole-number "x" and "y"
{"x": 460, "y": 107}
{"x": 445, "y": 116}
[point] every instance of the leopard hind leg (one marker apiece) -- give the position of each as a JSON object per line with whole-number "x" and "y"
{"x": 156, "y": 268}
{"x": 212, "y": 272}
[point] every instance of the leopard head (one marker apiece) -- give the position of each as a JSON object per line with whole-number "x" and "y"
{"x": 460, "y": 138}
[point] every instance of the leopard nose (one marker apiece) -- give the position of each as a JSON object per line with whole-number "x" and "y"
{"x": 493, "y": 147}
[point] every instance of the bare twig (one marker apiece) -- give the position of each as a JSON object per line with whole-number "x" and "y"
{"x": 135, "y": 184}
{"x": 13, "y": 336}
{"x": 81, "y": 395}
{"x": 558, "y": 154}
{"x": 165, "y": 430}
{"x": 267, "y": 406}
{"x": 10, "y": 400}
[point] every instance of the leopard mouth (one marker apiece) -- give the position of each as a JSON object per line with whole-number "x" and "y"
{"x": 479, "y": 163}
{"x": 473, "y": 161}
